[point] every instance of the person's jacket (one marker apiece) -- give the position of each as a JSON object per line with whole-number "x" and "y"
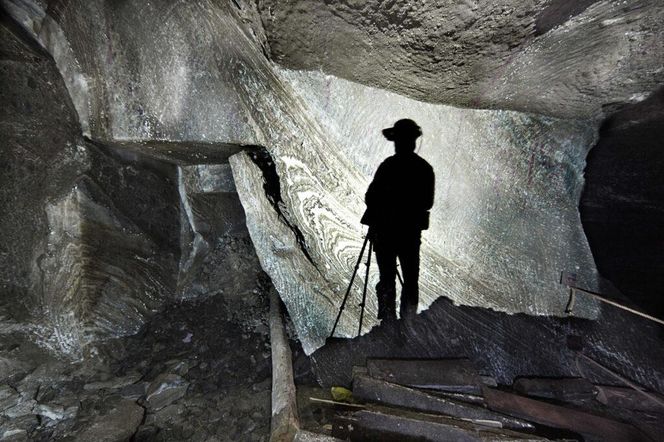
{"x": 401, "y": 194}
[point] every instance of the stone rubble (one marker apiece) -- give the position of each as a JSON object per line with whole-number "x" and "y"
{"x": 152, "y": 386}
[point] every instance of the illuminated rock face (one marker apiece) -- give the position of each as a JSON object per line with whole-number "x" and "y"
{"x": 505, "y": 221}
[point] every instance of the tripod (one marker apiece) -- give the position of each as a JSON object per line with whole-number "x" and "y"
{"x": 364, "y": 290}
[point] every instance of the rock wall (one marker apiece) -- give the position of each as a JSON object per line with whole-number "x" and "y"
{"x": 38, "y": 159}
{"x": 90, "y": 238}
{"x": 218, "y": 256}
{"x": 110, "y": 257}
{"x": 505, "y": 222}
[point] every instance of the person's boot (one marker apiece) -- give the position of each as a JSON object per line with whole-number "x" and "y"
{"x": 408, "y": 310}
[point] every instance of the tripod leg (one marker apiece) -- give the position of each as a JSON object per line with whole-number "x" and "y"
{"x": 343, "y": 303}
{"x": 364, "y": 291}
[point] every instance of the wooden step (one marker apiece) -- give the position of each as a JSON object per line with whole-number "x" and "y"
{"x": 624, "y": 397}
{"x": 561, "y": 389}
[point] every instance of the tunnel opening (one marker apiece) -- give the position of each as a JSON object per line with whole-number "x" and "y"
{"x": 621, "y": 205}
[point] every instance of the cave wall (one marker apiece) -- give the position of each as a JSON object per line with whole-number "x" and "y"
{"x": 140, "y": 70}
{"x": 505, "y": 222}
{"x": 508, "y": 183}
{"x": 39, "y": 129}
{"x": 111, "y": 254}
{"x": 91, "y": 236}
{"x": 218, "y": 256}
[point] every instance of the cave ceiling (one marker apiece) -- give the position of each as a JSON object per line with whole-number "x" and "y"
{"x": 567, "y": 58}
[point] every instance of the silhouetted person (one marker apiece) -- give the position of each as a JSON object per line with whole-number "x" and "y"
{"x": 398, "y": 202}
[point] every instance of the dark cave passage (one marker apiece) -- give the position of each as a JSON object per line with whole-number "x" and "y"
{"x": 622, "y": 206}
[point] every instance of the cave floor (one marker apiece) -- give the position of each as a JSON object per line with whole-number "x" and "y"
{"x": 199, "y": 370}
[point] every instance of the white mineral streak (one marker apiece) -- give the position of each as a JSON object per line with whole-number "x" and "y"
{"x": 305, "y": 292}
{"x": 505, "y": 221}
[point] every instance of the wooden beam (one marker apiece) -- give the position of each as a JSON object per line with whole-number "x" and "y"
{"x": 562, "y": 389}
{"x": 560, "y": 417}
{"x": 284, "y": 423}
{"x": 402, "y": 426}
{"x": 623, "y": 397}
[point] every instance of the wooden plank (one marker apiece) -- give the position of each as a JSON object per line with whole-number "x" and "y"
{"x": 455, "y": 375}
{"x": 565, "y": 389}
{"x": 285, "y": 422}
{"x": 560, "y": 417}
{"x": 401, "y": 426}
{"x": 369, "y": 389}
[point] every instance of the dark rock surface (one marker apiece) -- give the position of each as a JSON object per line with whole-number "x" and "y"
{"x": 164, "y": 390}
{"x": 91, "y": 252}
{"x": 111, "y": 257}
{"x": 91, "y": 235}
{"x": 199, "y": 370}
{"x": 219, "y": 256}
{"x": 119, "y": 424}
{"x": 564, "y": 57}
{"x": 38, "y": 160}
{"x": 507, "y": 346}
{"x": 622, "y": 206}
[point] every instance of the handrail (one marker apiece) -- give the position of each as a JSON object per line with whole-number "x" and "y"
{"x": 570, "y": 304}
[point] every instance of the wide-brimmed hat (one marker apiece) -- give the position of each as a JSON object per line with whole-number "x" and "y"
{"x": 405, "y": 129}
